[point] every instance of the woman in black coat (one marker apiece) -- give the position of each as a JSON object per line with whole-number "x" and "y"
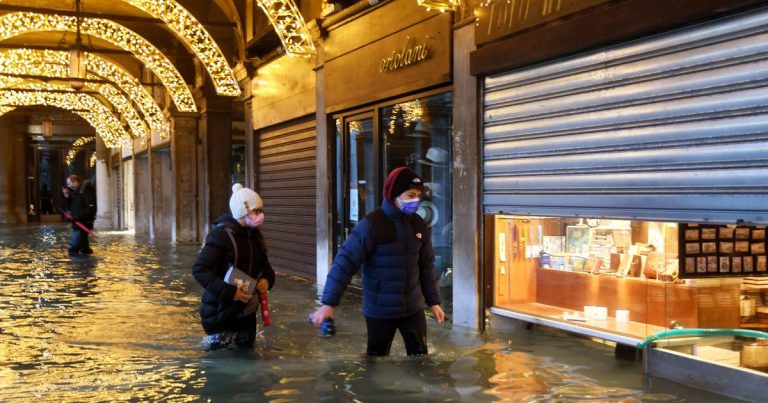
{"x": 221, "y": 310}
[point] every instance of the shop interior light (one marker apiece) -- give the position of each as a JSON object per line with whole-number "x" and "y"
{"x": 442, "y": 5}
{"x": 15, "y": 24}
{"x": 194, "y": 35}
{"x": 290, "y": 27}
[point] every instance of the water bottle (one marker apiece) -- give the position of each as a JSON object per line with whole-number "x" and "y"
{"x": 327, "y": 328}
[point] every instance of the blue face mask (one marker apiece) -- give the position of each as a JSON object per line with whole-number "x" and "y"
{"x": 409, "y": 206}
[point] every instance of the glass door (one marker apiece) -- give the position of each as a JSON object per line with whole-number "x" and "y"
{"x": 356, "y": 165}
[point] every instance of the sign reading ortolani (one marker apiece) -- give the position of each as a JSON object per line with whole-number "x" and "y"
{"x": 395, "y": 49}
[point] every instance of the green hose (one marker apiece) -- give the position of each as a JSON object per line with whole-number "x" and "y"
{"x": 701, "y": 332}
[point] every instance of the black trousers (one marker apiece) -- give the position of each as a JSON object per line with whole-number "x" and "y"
{"x": 412, "y": 328}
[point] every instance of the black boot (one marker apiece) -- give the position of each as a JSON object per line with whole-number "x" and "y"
{"x": 72, "y": 252}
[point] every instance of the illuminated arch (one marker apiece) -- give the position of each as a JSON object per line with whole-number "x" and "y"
{"x": 195, "y": 36}
{"x": 77, "y": 147}
{"x": 93, "y": 111}
{"x": 110, "y": 94}
{"x": 290, "y": 27}
{"x": 15, "y": 24}
{"x": 52, "y": 63}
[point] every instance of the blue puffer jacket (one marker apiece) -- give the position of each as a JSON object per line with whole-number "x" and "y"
{"x": 395, "y": 251}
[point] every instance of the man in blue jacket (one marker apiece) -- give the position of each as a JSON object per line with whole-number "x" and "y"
{"x": 394, "y": 247}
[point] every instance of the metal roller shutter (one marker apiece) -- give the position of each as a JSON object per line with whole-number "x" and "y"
{"x": 672, "y": 127}
{"x": 285, "y": 179}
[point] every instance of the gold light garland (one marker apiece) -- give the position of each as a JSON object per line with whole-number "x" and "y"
{"x": 14, "y": 24}
{"x": 110, "y": 93}
{"x": 290, "y": 27}
{"x": 6, "y": 109}
{"x": 105, "y": 123}
{"x": 411, "y": 112}
{"x": 50, "y": 63}
{"x": 192, "y": 33}
{"x": 442, "y": 5}
{"x": 92, "y": 161}
{"x": 72, "y": 153}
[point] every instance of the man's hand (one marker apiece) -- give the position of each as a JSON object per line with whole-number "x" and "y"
{"x": 65, "y": 191}
{"x": 262, "y": 286}
{"x": 325, "y": 311}
{"x": 241, "y": 295}
{"x": 438, "y": 313}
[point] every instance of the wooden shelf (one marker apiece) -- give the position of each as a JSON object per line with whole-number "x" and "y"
{"x": 636, "y": 330}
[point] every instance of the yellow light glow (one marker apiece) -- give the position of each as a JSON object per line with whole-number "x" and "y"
{"x": 194, "y": 35}
{"x": 441, "y": 5}
{"x": 6, "y": 109}
{"x": 110, "y": 94}
{"x": 105, "y": 123}
{"x": 411, "y": 111}
{"x": 52, "y": 63}
{"x": 14, "y": 24}
{"x": 72, "y": 152}
{"x": 290, "y": 27}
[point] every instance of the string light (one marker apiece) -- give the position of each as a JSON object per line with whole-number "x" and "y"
{"x": 14, "y": 24}
{"x": 411, "y": 112}
{"x": 290, "y": 27}
{"x": 193, "y": 34}
{"x": 92, "y": 161}
{"x": 76, "y": 147}
{"x": 45, "y": 66}
{"x": 93, "y": 111}
{"x": 442, "y": 5}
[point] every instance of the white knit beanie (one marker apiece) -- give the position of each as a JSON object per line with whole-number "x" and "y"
{"x": 243, "y": 200}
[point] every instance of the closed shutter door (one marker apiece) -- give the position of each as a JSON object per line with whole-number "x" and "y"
{"x": 672, "y": 127}
{"x": 285, "y": 179}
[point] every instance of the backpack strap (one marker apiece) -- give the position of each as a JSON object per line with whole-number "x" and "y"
{"x": 234, "y": 244}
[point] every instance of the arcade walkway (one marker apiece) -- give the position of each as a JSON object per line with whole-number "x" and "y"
{"x": 123, "y": 326}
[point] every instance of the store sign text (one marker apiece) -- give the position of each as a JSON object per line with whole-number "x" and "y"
{"x": 411, "y": 53}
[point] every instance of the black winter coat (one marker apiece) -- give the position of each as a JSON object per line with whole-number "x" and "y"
{"x": 81, "y": 204}
{"x": 219, "y": 312}
{"x": 395, "y": 251}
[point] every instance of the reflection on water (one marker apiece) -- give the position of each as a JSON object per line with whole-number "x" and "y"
{"x": 124, "y": 326}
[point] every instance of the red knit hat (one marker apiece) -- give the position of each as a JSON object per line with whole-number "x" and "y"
{"x": 400, "y": 180}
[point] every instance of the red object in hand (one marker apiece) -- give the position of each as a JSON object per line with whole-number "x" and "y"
{"x": 265, "y": 309}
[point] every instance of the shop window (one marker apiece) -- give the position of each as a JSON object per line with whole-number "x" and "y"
{"x": 627, "y": 280}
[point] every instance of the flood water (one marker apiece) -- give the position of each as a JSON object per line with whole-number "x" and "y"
{"x": 124, "y": 326}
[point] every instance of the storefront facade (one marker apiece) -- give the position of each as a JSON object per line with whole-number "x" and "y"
{"x": 624, "y": 185}
{"x": 388, "y": 103}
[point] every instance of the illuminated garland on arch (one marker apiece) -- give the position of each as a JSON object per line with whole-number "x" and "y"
{"x": 52, "y": 63}
{"x": 193, "y": 34}
{"x": 72, "y": 153}
{"x": 105, "y": 123}
{"x": 290, "y": 27}
{"x": 14, "y": 24}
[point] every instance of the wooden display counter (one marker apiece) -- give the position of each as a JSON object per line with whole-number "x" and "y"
{"x": 650, "y": 302}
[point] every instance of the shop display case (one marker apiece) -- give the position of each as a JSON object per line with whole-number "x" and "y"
{"x": 618, "y": 277}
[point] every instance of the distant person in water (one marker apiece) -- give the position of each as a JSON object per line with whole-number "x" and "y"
{"x": 80, "y": 203}
{"x": 223, "y": 305}
{"x": 393, "y": 246}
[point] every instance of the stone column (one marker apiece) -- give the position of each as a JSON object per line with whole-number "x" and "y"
{"x": 216, "y": 135}
{"x": 103, "y": 186}
{"x": 467, "y": 304}
{"x": 7, "y": 172}
{"x": 250, "y": 156}
{"x": 184, "y": 164}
